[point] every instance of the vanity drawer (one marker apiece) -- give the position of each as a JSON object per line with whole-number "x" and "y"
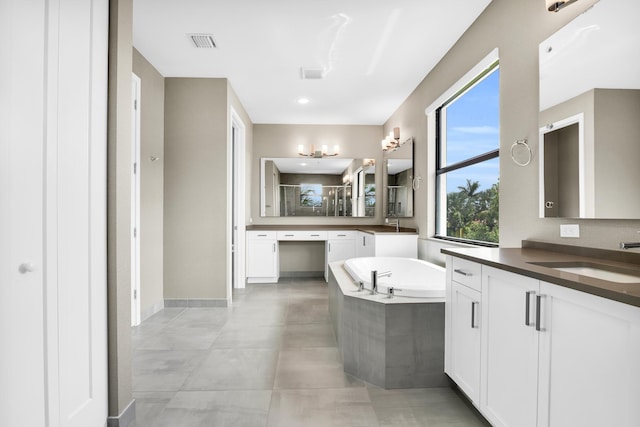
{"x": 342, "y": 235}
{"x": 261, "y": 235}
{"x": 302, "y": 235}
{"x": 466, "y": 273}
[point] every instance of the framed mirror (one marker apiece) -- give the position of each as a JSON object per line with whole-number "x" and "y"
{"x": 327, "y": 187}
{"x": 589, "y": 110}
{"x": 398, "y": 166}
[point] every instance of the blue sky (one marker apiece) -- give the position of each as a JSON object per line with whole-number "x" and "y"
{"x": 473, "y": 128}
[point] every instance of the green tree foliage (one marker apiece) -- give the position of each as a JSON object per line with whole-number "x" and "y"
{"x": 473, "y": 214}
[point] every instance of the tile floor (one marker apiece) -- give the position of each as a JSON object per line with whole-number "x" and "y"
{"x": 270, "y": 360}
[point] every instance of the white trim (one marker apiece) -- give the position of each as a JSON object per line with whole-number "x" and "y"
{"x": 464, "y": 80}
{"x": 237, "y": 150}
{"x": 586, "y": 210}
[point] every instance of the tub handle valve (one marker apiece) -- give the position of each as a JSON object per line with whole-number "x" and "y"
{"x": 390, "y": 292}
{"x": 360, "y": 286}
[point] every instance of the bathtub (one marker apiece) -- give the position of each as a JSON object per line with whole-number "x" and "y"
{"x": 409, "y": 277}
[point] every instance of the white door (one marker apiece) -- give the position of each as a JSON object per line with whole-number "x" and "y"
{"x": 509, "y": 349}
{"x": 135, "y": 201}
{"x": 53, "y": 363}
{"x": 237, "y": 269}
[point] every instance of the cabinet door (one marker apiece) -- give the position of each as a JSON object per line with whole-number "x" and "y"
{"x": 365, "y": 245}
{"x": 465, "y": 339}
{"x": 589, "y": 360}
{"x": 262, "y": 258}
{"x": 509, "y": 355}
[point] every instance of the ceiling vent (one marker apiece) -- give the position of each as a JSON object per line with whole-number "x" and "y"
{"x": 203, "y": 41}
{"x": 311, "y": 73}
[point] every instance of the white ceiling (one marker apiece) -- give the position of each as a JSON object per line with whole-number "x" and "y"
{"x": 373, "y": 52}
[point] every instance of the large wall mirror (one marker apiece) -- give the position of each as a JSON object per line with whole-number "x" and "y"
{"x": 398, "y": 166}
{"x": 590, "y": 115}
{"x": 320, "y": 187}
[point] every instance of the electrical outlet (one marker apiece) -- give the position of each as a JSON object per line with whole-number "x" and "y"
{"x": 570, "y": 230}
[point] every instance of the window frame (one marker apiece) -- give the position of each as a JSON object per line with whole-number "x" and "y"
{"x": 442, "y": 170}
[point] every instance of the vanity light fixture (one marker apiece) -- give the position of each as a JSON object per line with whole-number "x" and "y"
{"x": 392, "y": 141}
{"x": 318, "y": 154}
{"x": 555, "y": 6}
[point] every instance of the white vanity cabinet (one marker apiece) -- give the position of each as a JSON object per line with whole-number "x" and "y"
{"x": 509, "y": 355}
{"x": 262, "y": 257}
{"x": 365, "y": 244}
{"x": 462, "y": 314}
{"x": 341, "y": 245}
{"x": 550, "y": 355}
{"x": 387, "y": 245}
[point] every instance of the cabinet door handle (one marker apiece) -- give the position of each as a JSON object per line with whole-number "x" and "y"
{"x": 364, "y": 242}
{"x": 473, "y": 314}
{"x": 262, "y": 235}
{"x": 539, "y": 328}
{"x": 288, "y": 235}
{"x": 342, "y": 235}
{"x": 315, "y": 235}
{"x": 464, "y": 273}
{"x": 329, "y": 247}
{"x": 274, "y": 248}
{"x": 527, "y": 307}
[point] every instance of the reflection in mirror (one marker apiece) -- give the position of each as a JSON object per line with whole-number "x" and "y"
{"x": 399, "y": 170}
{"x": 592, "y": 67}
{"x": 317, "y": 187}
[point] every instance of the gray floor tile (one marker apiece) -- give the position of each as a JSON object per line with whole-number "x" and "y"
{"x": 321, "y": 408}
{"x": 217, "y": 408}
{"x": 234, "y": 336}
{"x": 235, "y": 369}
{"x": 309, "y": 335}
{"x": 163, "y": 370}
{"x": 171, "y": 338}
{"x": 149, "y": 406}
{"x": 311, "y": 310}
{"x": 309, "y": 368}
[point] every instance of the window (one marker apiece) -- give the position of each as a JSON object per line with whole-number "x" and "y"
{"x": 467, "y": 162}
{"x": 311, "y": 195}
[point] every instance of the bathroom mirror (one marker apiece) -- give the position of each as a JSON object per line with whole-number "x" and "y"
{"x": 589, "y": 115}
{"x": 398, "y": 167}
{"x": 326, "y": 187}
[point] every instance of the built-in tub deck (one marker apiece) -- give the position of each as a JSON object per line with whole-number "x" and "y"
{"x": 390, "y": 342}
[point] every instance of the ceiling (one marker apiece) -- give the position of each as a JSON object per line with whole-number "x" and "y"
{"x": 371, "y": 53}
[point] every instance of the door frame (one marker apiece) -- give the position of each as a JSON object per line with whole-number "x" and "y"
{"x": 236, "y": 203}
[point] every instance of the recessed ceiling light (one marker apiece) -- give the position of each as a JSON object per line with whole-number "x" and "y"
{"x": 303, "y": 164}
{"x": 303, "y": 101}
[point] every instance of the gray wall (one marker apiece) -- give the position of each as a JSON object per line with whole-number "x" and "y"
{"x": 516, "y": 27}
{"x": 151, "y": 185}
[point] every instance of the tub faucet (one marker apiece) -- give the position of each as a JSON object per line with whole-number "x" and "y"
{"x": 629, "y": 245}
{"x": 374, "y": 280}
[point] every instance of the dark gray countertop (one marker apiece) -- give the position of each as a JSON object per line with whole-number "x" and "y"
{"x": 373, "y": 229}
{"x": 518, "y": 260}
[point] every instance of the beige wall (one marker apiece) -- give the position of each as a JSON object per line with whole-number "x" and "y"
{"x": 151, "y": 185}
{"x": 515, "y": 27}
{"x": 195, "y": 179}
{"x": 355, "y": 141}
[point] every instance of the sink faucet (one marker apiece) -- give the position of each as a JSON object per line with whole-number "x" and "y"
{"x": 397, "y": 224}
{"x": 629, "y": 245}
{"x": 374, "y": 280}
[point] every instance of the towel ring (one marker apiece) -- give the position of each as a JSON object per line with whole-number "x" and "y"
{"x": 525, "y": 144}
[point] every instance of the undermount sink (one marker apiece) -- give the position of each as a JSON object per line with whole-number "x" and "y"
{"x": 609, "y": 273}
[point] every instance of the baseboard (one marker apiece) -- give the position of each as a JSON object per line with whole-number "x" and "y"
{"x": 302, "y": 274}
{"x": 195, "y": 302}
{"x": 125, "y": 418}
{"x": 150, "y": 311}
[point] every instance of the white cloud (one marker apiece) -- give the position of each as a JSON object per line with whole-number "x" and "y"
{"x": 477, "y": 130}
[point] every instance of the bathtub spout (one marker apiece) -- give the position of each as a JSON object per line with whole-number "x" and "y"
{"x": 374, "y": 280}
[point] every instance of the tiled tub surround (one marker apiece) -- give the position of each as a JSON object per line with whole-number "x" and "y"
{"x": 392, "y": 343}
